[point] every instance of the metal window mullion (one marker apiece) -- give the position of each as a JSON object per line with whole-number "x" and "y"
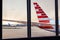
{"x": 29, "y": 18}
{"x": 56, "y": 16}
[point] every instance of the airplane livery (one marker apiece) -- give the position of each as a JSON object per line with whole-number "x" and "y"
{"x": 43, "y": 18}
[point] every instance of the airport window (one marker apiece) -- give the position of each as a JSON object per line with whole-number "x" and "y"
{"x": 14, "y": 19}
{"x": 43, "y": 18}
{"x": 30, "y": 18}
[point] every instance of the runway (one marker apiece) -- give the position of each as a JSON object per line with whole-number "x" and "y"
{"x": 21, "y": 32}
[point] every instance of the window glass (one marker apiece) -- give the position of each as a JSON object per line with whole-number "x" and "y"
{"x": 42, "y": 18}
{"x": 59, "y": 16}
{"x": 14, "y": 19}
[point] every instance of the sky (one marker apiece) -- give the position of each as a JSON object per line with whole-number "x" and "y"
{"x": 14, "y": 9}
{"x": 47, "y": 6}
{"x": 17, "y": 9}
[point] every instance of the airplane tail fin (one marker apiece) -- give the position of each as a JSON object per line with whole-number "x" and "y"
{"x": 42, "y": 17}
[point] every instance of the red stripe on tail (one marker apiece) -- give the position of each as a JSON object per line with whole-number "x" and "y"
{"x": 44, "y": 21}
{"x": 46, "y": 27}
{"x": 42, "y": 16}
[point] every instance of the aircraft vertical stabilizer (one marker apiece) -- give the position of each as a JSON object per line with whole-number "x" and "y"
{"x": 42, "y": 17}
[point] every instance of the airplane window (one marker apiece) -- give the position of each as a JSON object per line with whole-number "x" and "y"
{"x": 14, "y": 19}
{"x": 59, "y": 16}
{"x": 43, "y": 18}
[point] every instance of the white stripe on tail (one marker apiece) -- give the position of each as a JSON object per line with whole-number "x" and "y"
{"x": 42, "y": 17}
